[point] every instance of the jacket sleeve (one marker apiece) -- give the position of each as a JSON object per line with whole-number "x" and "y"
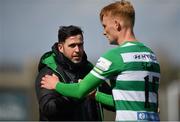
{"x": 50, "y": 102}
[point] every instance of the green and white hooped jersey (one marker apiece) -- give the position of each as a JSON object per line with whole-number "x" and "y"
{"x": 134, "y": 73}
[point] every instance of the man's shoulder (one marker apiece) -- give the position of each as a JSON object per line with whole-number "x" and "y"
{"x": 46, "y": 56}
{"x": 47, "y": 60}
{"x": 111, "y": 54}
{"x": 46, "y": 70}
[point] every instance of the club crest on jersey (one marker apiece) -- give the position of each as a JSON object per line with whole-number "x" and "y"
{"x": 147, "y": 116}
{"x": 103, "y": 64}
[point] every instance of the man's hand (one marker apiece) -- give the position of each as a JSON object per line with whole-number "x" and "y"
{"x": 49, "y": 81}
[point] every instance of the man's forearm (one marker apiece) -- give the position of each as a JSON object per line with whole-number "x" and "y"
{"x": 70, "y": 90}
{"x": 104, "y": 99}
{"x": 78, "y": 90}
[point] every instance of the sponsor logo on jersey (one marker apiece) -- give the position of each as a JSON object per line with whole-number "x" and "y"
{"x": 139, "y": 57}
{"x": 103, "y": 64}
{"x": 145, "y": 56}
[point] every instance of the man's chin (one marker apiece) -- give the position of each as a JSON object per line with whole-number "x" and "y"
{"x": 76, "y": 61}
{"x": 113, "y": 42}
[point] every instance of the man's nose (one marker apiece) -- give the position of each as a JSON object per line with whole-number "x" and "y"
{"x": 77, "y": 48}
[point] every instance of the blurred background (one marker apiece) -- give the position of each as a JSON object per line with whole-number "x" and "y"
{"x": 28, "y": 28}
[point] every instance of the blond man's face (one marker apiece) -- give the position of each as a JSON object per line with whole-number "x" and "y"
{"x": 109, "y": 30}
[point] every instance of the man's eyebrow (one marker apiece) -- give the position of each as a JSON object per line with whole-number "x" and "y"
{"x": 72, "y": 37}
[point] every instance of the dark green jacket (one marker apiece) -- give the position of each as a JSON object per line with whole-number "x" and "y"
{"x": 54, "y": 106}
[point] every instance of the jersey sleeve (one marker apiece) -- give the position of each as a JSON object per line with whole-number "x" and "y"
{"x": 107, "y": 66}
{"x": 81, "y": 89}
{"x": 104, "y": 98}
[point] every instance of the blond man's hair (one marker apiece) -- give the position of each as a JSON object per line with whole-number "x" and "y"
{"x": 122, "y": 9}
